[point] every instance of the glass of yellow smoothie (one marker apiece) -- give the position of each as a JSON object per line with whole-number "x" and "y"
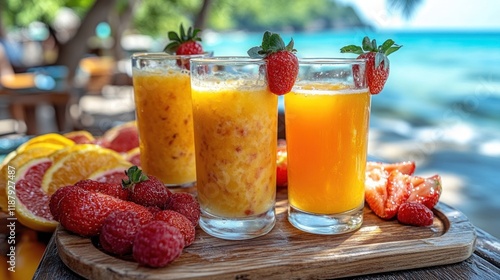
{"x": 162, "y": 94}
{"x": 327, "y": 120}
{"x": 235, "y": 131}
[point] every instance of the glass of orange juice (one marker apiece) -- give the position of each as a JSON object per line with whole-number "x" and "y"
{"x": 162, "y": 95}
{"x": 235, "y": 128}
{"x": 327, "y": 120}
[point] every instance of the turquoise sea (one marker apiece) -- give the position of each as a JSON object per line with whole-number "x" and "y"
{"x": 440, "y": 106}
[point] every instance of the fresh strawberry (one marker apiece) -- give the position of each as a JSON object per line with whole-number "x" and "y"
{"x": 184, "y": 43}
{"x": 157, "y": 244}
{"x": 83, "y": 212}
{"x": 281, "y": 166}
{"x": 119, "y": 229}
{"x": 187, "y": 205}
{"x": 405, "y": 167}
{"x": 385, "y": 192}
{"x": 56, "y": 198}
{"x": 181, "y": 222}
{"x": 145, "y": 190}
{"x": 377, "y": 63}
{"x": 415, "y": 214}
{"x": 426, "y": 190}
{"x": 282, "y": 65}
{"x": 115, "y": 190}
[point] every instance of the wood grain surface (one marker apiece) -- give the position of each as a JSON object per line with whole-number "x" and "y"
{"x": 286, "y": 252}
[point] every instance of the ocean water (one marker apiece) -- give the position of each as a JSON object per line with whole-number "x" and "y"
{"x": 440, "y": 107}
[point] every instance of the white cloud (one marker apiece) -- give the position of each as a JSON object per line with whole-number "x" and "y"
{"x": 432, "y": 14}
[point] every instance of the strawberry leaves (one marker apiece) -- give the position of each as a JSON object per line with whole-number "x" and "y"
{"x": 281, "y": 63}
{"x": 184, "y": 43}
{"x": 377, "y": 63}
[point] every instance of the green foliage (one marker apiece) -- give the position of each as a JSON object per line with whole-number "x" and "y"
{"x": 157, "y": 17}
{"x": 257, "y": 15}
{"x": 20, "y": 13}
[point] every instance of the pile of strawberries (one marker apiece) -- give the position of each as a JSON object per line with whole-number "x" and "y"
{"x": 139, "y": 217}
{"x": 393, "y": 191}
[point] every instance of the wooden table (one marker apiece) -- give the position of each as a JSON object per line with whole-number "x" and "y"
{"x": 23, "y": 104}
{"x": 484, "y": 263}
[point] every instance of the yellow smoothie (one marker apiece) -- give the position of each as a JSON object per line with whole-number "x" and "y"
{"x": 165, "y": 122}
{"x": 235, "y": 136}
{"x": 327, "y": 127}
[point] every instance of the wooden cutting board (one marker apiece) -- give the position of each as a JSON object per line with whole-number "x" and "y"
{"x": 286, "y": 252}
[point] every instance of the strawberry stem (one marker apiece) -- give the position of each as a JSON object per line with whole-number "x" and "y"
{"x": 386, "y": 48}
{"x": 135, "y": 176}
{"x": 271, "y": 43}
{"x": 176, "y": 40}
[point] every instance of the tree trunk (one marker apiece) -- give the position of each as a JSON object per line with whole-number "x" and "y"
{"x": 119, "y": 23}
{"x": 201, "y": 18}
{"x": 74, "y": 49}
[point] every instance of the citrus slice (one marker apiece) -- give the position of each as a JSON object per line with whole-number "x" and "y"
{"x": 112, "y": 175}
{"x": 78, "y": 165}
{"x": 20, "y": 158}
{"x": 68, "y": 150}
{"x": 80, "y": 137}
{"x": 134, "y": 156}
{"x": 32, "y": 203}
{"x": 121, "y": 138}
{"x": 53, "y": 138}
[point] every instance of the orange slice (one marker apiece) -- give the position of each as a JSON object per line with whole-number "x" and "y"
{"x": 78, "y": 165}
{"x": 52, "y": 138}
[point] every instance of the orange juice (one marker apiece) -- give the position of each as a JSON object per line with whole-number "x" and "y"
{"x": 235, "y": 136}
{"x": 327, "y": 135}
{"x": 165, "y": 122}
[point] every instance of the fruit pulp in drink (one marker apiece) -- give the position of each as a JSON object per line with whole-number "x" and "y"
{"x": 165, "y": 122}
{"x": 235, "y": 137}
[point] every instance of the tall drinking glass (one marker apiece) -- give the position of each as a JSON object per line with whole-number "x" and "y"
{"x": 327, "y": 120}
{"x": 162, "y": 93}
{"x": 235, "y": 126}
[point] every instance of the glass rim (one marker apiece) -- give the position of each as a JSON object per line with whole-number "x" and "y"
{"x": 331, "y": 60}
{"x": 227, "y": 60}
{"x": 164, "y": 55}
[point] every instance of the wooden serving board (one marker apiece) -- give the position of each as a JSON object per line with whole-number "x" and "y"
{"x": 286, "y": 252}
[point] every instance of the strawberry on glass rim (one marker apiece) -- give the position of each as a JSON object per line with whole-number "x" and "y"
{"x": 282, "y": 64}
{"x": 377, "y": 63}
{"x": 184, "y": 43}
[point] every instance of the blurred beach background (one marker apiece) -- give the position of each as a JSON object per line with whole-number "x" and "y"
{"x": 440, "y": 106}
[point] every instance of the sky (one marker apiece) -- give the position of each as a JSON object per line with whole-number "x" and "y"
{"x": 433, "y": 14}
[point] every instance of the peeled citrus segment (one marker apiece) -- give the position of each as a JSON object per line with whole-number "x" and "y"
{"x": 9, "y": 170}
{"x": 111, "y": 174}
{"x": 78, "y": 165}
{"x": 80, "y": 137}
{"x": 32, "y": 203}
{"x": 52, "y": 138}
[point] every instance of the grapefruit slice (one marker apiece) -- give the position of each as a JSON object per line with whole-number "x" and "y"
{"x": 134, "y": 156}
{"x": 18, "y": 159}
{"x": 113, "y": 175}
{"x": 121, "y": 138}
{"x": 32, "y": 203}
{"x": 80, "y": 137}
{"x": 78, "y": 165}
